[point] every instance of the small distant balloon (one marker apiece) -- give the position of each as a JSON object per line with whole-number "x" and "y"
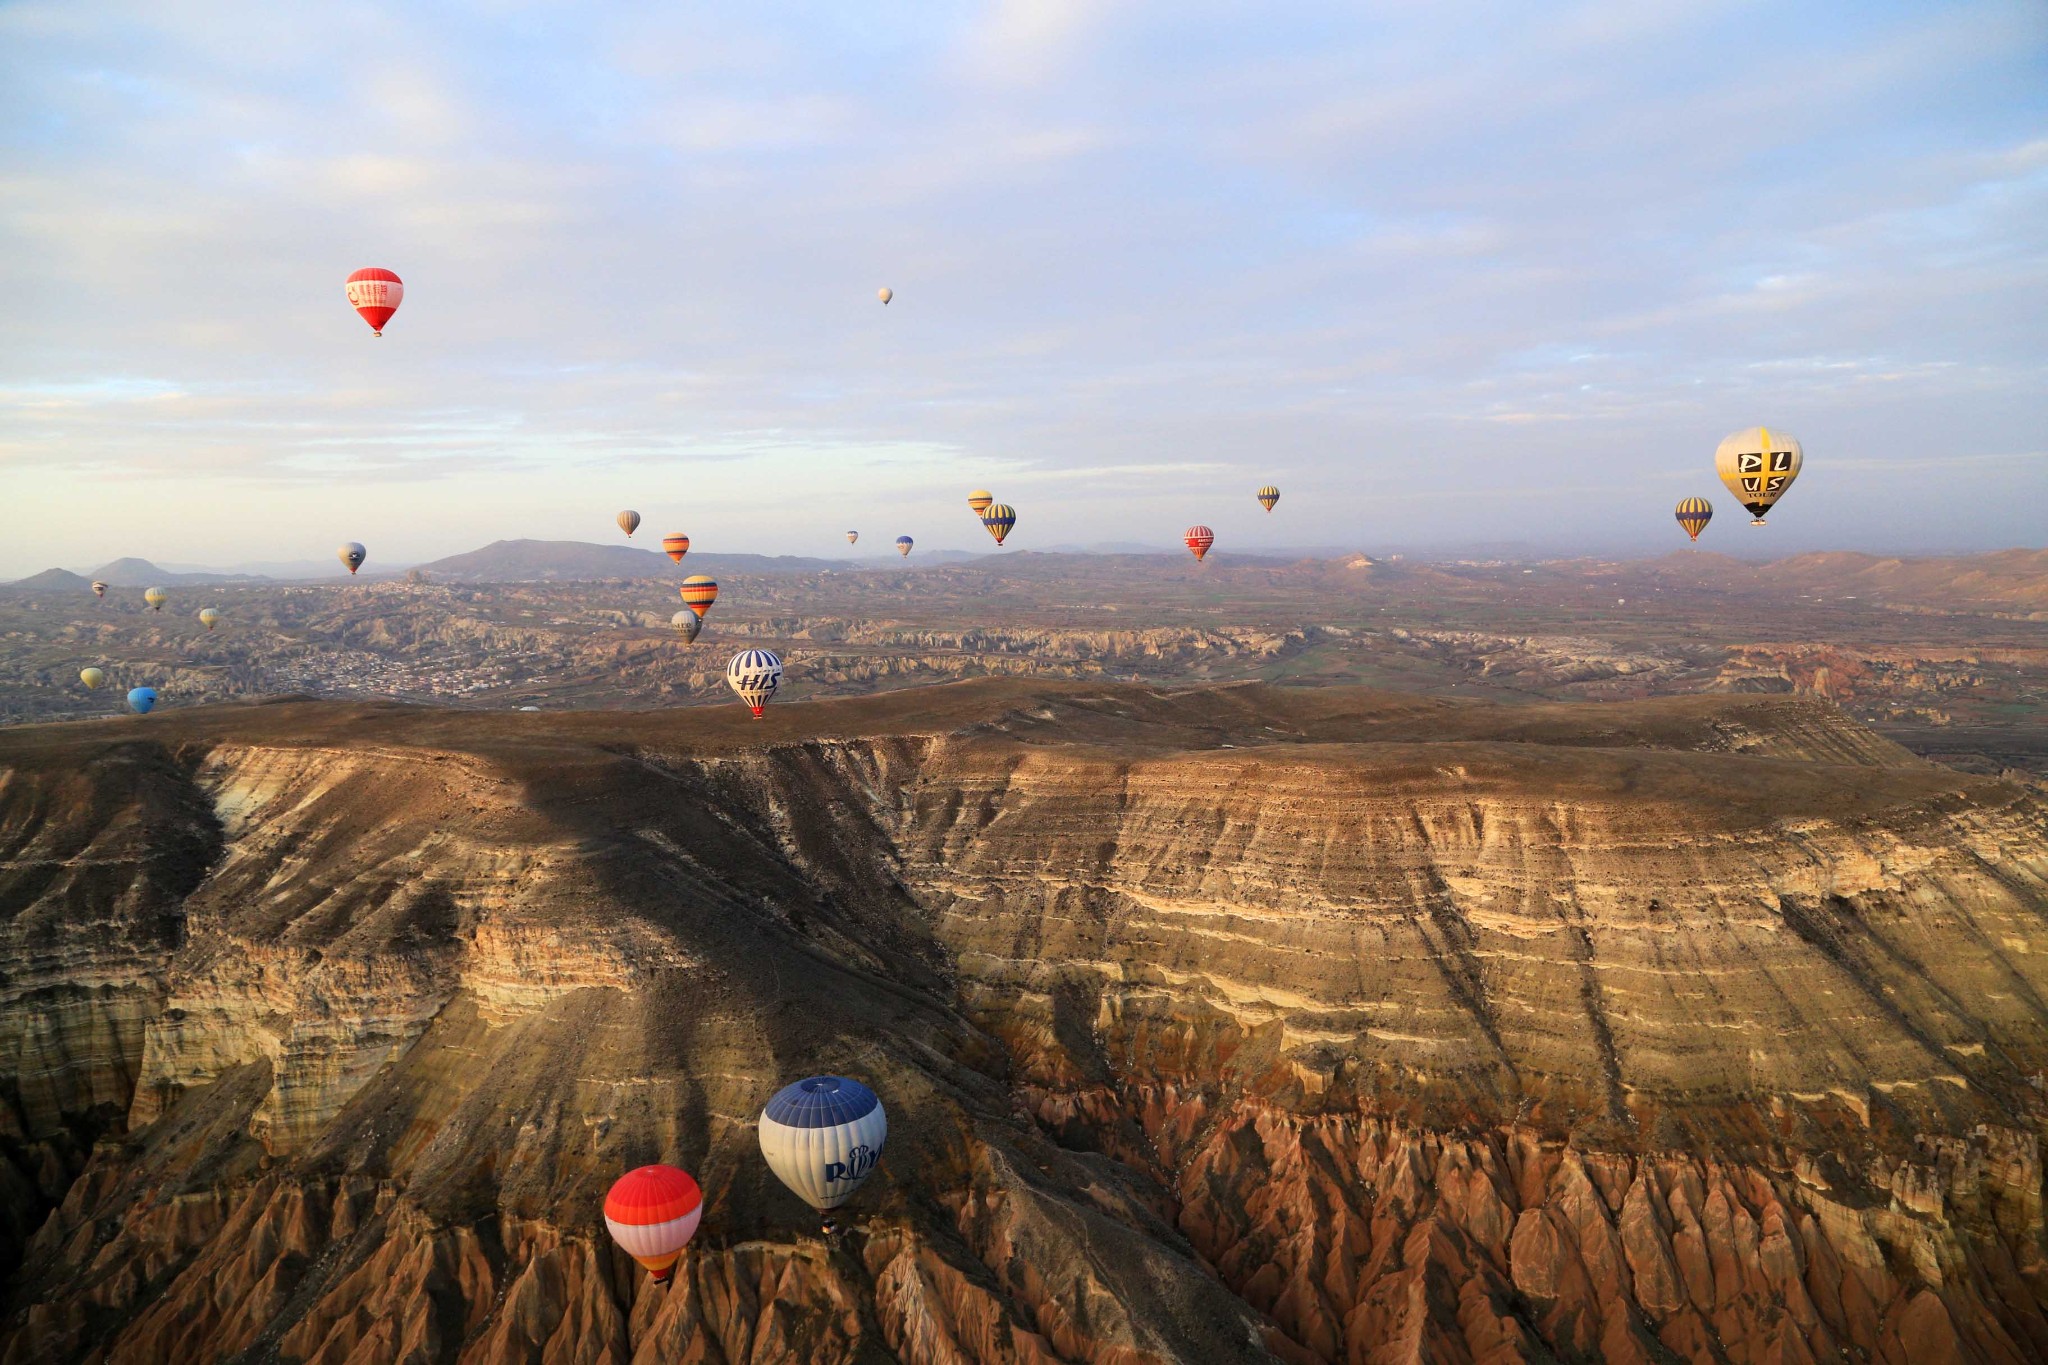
{"x": 156, "y": 597}
{"x": 822, "y": 1137}
{"x": 885, "y": 293}
{"x": 853, "y": 537}
{"x": 352, "y": 555}
{"x": 699, "y": 592}
{"x": 1268, "y": 496}
{"x": 142, "y": 700}
{"x": 687, "y": 623}
{"x": 979, "y": 500}
{"x": 375, "y": 293}
{"x": 1758, "y": 468}
{"x": 209, "y": 618}
{"x": 677, "y": 547}
{"x": 99, "y": 589}
{"x": 903, "y": 545}
{"x": 999, "y": 518}
{"x": 91, "y": 677}
{"x": 1694, "y": 514}
{"x": 754, "y": 674}
{"x": 629, "y": 521}
{"x": 652, "y": 1213}
{"x": 1199, "y": 539}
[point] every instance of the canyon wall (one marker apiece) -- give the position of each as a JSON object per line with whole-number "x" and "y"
{"x": 1227, "y": 1024}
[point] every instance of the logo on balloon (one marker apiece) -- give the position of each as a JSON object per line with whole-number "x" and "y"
{"x": 858, "y": 1163}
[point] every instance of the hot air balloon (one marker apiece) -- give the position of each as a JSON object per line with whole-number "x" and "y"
{"x": 885, "y": 293}
{"x": 999, "y": 518}
{"x": 376, "y": 294}
{"x": 903, "y": 544}
{"x": 208, "y": 617}
{"x": 142, "y": 699}
{"x": 699, "y": 592}
{"x": 1199, "y": 539}
{"x": 629, "y": 522}
{"x": 754, "y": 674}
{"x": 979, "y": 499}
{"x": 853, "y": 537}
{"x": 687, "y": 623}
{"x": 822, "y": 1137}
{"x": 1758, "y": 467}
{"x": 677, "y": 547}
{"x": 653, "y": 1213}
{"x": 352, "y": 555}
{"x": 99, "y": 589}
{"x": 91, "y": 677}
{"x": 1268, "y": 496}
{"x": 1694, "y": 514}
{"x": 156, "y": 597}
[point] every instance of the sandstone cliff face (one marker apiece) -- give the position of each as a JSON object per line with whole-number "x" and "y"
{"x": 1232, "y": 1024}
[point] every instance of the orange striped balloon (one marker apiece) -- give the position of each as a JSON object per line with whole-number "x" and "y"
{"x": 979, "y": 500}
{"x": 677, "y": 547}
{"x": 699, "y": 592}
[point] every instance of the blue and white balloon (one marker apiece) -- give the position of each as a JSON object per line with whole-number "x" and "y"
{"x": 754, "y": 674}
{"x": 142, "y": 700}
{"x": 822, "y": 1137}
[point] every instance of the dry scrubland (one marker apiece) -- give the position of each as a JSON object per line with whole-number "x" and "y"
{"x": 1226, "y": 1023}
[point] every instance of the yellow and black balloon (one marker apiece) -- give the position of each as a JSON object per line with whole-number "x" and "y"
{"x": 1758, "y": 465}
{"x": 1694, "y": 514}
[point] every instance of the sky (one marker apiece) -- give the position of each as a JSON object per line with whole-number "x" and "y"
{"x": 1448, "y": 274}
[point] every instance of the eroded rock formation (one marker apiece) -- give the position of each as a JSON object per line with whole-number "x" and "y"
{"x": 1231, "y": 1024}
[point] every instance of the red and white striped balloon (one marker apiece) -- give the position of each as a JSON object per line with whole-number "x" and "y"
{"x": 1199, "y": 539}
{"x": 375, "y": 293}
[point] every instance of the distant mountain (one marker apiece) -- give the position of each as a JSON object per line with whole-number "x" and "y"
{"x": 554, "y": 561}
{"x": 51, "y": 580}
{"x": 140, "y": 573}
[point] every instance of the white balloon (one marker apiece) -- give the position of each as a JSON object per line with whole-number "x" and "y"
{"x": 822, "y": 1137}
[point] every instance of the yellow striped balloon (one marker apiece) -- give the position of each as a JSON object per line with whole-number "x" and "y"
{"x": 999, "y": 518}
{"x": 1268, "y": 496}
{"x": 1694, "y": 514}
{"x": 699, "y": 592}
{"x": 979, "y": 499}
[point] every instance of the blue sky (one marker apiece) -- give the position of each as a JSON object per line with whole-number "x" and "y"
{"x": 1446, "y": 273}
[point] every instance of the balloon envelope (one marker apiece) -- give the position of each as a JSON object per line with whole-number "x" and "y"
{"x": 979, "y": 500}
{"x": 376, "y": 294}
{"x": 142, "y": 699}
{"x": 352, "y": 555}
{"x": 699, "y": 591}
{"x": 999, "y": 518}
{"x": 629, "y": 522}
{"x": 1694, "y": 514}
{"x": 91, "y": 677}
{"x": 754, "y": 674}
{"x": 687, "y": 623}
{"x": 904, "y": 544}
{"x": 852, "y": 537}
{"x": 1758, "y": 465}
{"x": 677, "y": 547}
{"x": 885, "y": 293}
{"x": 1199, "y": 539}
{"x": 822, "y": 1137}
{"x": 99, "y": 589}
{"x": 652, "y": 1213}
{"x": 156, "y": 597}
{"x": 208, "y": 617}
{"x": 1268, "y": 496}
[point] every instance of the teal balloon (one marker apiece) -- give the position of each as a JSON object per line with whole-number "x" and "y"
{"x": 143, "y": 700}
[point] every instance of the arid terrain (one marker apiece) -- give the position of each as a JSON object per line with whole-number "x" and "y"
{"x": 1228, "y": 1022}
{"x": 1948, "y": 656}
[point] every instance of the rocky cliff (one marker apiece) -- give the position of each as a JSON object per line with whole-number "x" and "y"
{"x": 1225, "y": 1024}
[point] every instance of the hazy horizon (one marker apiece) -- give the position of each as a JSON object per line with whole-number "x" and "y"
{"x": 1450, "y": 276}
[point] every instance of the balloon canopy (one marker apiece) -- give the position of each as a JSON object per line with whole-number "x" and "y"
{"x": 1758, "y": 466}
{"x": 375, "y": 293}
{"x": 822, "y": 1136}
{"x": 652, "y": 1213}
